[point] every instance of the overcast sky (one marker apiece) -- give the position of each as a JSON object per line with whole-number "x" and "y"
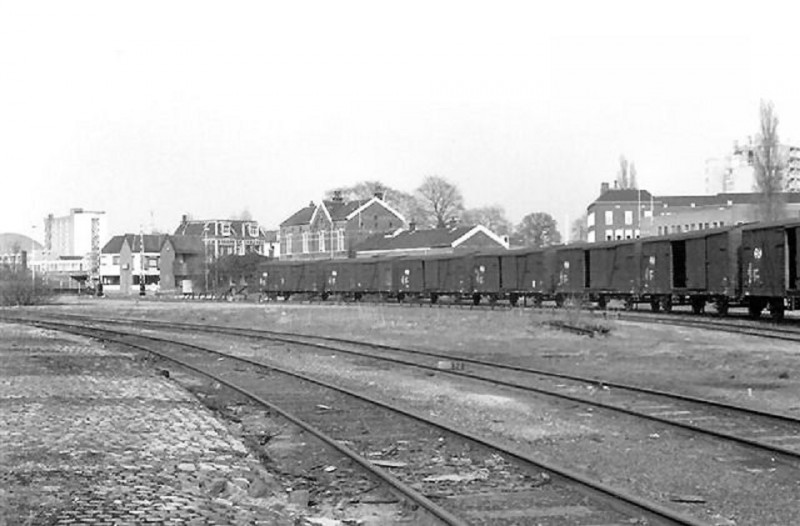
{"x": 149, "y": 110}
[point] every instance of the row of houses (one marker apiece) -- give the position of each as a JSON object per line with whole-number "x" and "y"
{"x": 185, "y": 261}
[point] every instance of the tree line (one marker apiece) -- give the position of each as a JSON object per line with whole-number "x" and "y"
{"x": 438, "y": 203}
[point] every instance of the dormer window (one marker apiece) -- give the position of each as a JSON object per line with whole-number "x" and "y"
{"x": 225, "y": 229}
{"x": 252, "y": 230}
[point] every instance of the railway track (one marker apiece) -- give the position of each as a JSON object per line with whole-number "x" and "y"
{"x": 765, "y": 432}
{"x": 501, "y": 486}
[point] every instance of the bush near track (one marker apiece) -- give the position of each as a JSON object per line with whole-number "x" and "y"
{"x": 17, "y": 288}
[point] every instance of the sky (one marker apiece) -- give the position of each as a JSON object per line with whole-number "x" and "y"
{"x": 151, "y": 110}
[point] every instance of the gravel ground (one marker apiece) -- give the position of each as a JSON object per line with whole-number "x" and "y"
{"x": 725, "y": 484}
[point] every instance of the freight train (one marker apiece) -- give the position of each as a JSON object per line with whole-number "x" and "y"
{"x": 753, "y": 265}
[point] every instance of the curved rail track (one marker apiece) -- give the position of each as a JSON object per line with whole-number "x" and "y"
{"x": 760, "y": 431}
{"x": 509, "y": 487}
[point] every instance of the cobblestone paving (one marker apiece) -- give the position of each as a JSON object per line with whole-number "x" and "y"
{"x": 89, "y": 436}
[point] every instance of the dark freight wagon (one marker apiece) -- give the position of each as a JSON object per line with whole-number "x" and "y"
{"x": 408, "y": 277}
{"x": 485, "y": 275}
{"x": 770, "y": 266}
{"x": 614, "y": 271}
{"x": 571, "y": 273}
{"x": 534, "y": 271}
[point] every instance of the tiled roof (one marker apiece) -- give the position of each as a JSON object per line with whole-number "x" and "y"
{"x": 152, "y": 243}
{"x": 405, "y": 240}
{"x": 187, "y": 244}
{"x": 301, "y": 217}
{"x": 114, "y": 245}
{"x": 339, "y": 210}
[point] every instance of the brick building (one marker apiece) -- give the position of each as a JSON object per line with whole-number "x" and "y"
{"x": 629, "y": 214}
{"x": 334, "y": 227}
{"x": 618, "y": 214}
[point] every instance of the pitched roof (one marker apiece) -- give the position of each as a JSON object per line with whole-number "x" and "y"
{"x": 301, "y": 217}
{"x": 114, "y": 245}
{"x": 626, "y": 195}
{"x": 415, "y": 239}
{"x": 152, "y": 243}
{"x": 336, "y": 209}
{"x": 187, "y": 244}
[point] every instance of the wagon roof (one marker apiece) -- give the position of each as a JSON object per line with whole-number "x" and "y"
{"x": 772, "y": 224}
{"x": 694, "y": 234}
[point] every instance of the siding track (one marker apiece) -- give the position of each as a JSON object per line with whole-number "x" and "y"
{"x": 508, "y": 488}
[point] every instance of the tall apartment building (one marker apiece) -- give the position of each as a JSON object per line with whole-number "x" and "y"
{"x": 735, "y": 172}
{"x": 79, "y": 234}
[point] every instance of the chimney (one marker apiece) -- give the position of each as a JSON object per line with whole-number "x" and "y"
{"x": 452, "y": 222}
{"x": 412, "y": 226}
{"x": 379, "y": 195}
{"x": 603, "y": 188}
{"x": 184, "y": 219}
{"x": 337, "y": 196}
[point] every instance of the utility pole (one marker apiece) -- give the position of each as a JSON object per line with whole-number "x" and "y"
{"x": 141, "y": 261}
{"x": 30, "y": 259}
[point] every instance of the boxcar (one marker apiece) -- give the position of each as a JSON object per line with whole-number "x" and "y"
{"x": 485, "y": 275}
{"x": 408, "y": 278}
{"x": 770, "y": 266}
{"x": 614, "y": 271}
{"x": 536, "y": 274}
{"x": 571, "y": 273}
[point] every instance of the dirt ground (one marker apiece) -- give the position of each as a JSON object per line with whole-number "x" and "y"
{"x": 722, "y": 484}
{"x": 748, "y": 370}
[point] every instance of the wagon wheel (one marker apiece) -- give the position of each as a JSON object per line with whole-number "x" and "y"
{"x": 698, "y": 304}
{"x": 776, "y": 309}
{"x": 476, "y": 299}
{"x": 602, "y": 302}
{"x": 722, "y": 305}
{"x": 629, "y": 303}
{"x": 754, "y": 307}
{"x": 666, "y": 303}
{"x": 434, "y": 298}
{"x": 513, "y": 299}
{"x": 655, "y": 305}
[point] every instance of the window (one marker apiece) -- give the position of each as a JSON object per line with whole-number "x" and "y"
{"x": 609, "y": 235}
{"x": 252, "y": 230}
{"x": 590, "y": 220}
{"x": 115, "y": 260}
{"x": 305, "y": 242}
{"x": 226, "y": 229}
{"x": 609, "y": 217}
{"x": 722, "y": 223}
{"x": 288, "y": 243}
{"x": 628, "y": 217}
{"x": 628, "y": 233}
{"x": 590, "y": 237}
{"x": 322, "y": 241}
{"x": 152, "y": 262}
{"x": 618, "y": 234}
{"x": 340, "y": 240}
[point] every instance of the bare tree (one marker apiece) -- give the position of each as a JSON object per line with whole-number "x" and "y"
{"x": 626, "y": 176}
{"x": 768, "y": 164}
{"x": 439, "y": 200}
{"x": 580, "y": 230}
{"x": 538, "y": 229}
{"x": 632, "y": 177}
{"x": 622, "y": 174}
{"x": 492, "y": 217}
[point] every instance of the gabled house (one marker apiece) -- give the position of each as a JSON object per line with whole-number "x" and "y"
{"x": 225, "y": 237}
{"x": 183, "y": 264}
{"x": 429, "y": 242}
{"x": 130, "y": 259}
{"x": 332, "y": 228}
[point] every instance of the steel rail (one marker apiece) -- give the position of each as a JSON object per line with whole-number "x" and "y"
{"x": 287, "y": 338}
{"x": 600, "y": 489}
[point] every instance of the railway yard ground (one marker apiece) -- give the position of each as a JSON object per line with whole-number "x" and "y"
{"x": 94, "y": 433}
